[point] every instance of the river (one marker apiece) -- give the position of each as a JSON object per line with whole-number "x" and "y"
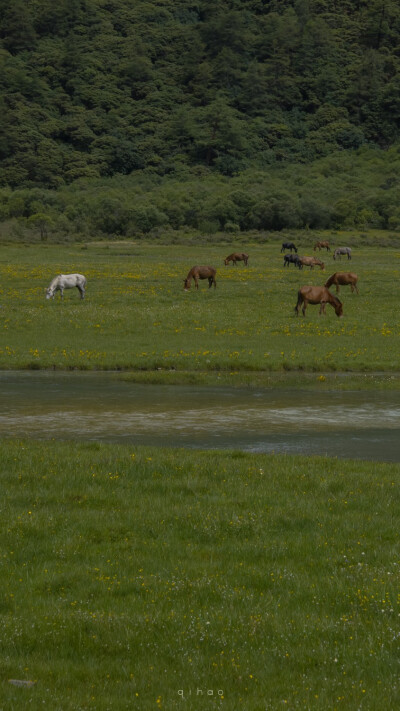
{"x": 102, "y": 407}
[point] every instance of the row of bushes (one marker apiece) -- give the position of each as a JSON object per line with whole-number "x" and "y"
{"x": 360, "y": 191}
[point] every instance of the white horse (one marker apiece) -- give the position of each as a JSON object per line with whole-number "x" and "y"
{"x": 342, "y": 250}
{"x": 66, "y": 281}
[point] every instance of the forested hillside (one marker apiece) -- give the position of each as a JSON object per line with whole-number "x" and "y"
{"x": 92, "y": 89}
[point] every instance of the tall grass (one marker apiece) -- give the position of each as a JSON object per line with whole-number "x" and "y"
{"x": 137, "y": 315}
{"x": 133, "y": 577}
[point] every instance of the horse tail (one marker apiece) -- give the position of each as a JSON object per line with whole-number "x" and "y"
{"x": 299, "y": 302}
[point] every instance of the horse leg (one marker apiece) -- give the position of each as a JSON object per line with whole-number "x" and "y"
{"x": 322, "y": 308}
{"x": 337, "y": 288}
{"x": 196, "y": 282}
{"x": 81, "y": 291}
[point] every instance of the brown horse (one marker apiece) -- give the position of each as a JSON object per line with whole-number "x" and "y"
{"x": 197, "y": 273}
{"x": 343, "y": 278}
{"x": 311, "y": 262}
{"x": 237, "y": 257}
{"x": 322, "y": 245}
{"x": 317, "y": 295}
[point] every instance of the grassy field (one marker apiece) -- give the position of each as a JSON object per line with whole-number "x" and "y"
{"x": 144, "y": 578}
{"x": 137, "y": 315}
{"x": 169, "y": 579}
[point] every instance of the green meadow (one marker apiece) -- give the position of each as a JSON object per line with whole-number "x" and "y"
{"x": 151, "y": 578}
{"x": 137, "y": 578}
{"x": 137, "y": 316}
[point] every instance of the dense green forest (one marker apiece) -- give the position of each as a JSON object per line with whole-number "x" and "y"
{"x": 128, "y": 116}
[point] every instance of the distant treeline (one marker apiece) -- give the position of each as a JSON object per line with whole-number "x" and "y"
{"x": 95, "y": 88}
{"x": 349, "y": 189}
{"x": 127, "y": 117}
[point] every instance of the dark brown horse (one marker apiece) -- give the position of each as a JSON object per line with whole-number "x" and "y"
{"x": 237, "y": 257}
{"x": 288, "y": 245}
{"x": 322, "y": 245}
{"x": 343, "y": 279}
{"x": 292, "y": 259}
{"x": 197, "y": 273}
{"x": 317, "y": 295}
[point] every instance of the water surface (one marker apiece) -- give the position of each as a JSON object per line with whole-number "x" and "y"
{"x": 93, "y": 406}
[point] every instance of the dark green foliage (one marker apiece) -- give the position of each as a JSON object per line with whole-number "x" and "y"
{"x": 347, "y": 189}
{"x": 94, "y": 89}
{"x": 179, "y": 90}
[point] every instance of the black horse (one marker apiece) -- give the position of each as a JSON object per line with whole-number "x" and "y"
{"x": 292, "y": 259}
{"x": 288, "y": 245}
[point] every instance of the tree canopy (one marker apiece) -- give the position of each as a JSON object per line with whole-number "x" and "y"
{"x": 122, "y": 117}
{"x": 95, "y": 88}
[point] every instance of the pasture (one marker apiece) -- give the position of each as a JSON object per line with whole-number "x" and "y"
{"x": 144, "y": 578}
{"x": 137, "y": 316}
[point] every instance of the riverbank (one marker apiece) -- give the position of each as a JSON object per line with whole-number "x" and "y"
{"x": 317, "y": 380}
{"x": 296, "y": 380}
{"x": 136, "y": 575}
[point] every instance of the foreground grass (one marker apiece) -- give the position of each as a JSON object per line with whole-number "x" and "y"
{"x": 132, "y": 577}
{"x": 137, "y": 316}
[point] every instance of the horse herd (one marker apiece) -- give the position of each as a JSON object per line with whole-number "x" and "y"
{"x": 209, "y": 273}
{"x": 320, "y": 294}
{"x": 306, "y": 295}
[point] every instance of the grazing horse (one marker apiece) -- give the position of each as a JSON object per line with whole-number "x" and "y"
{"x": 237, "y": 257}
{"x": 322, "y": 245}
{"x": 288, "y": 245}
{"x": 342, "y": 250}
{"x": 343, "y": 279}
{"x": 197, "y": 273}
{"x": 311, "y": 262}
{"x": 292, "y": 259}
{"x": 66, "y": 281}
{"x": 317, "y": 295}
